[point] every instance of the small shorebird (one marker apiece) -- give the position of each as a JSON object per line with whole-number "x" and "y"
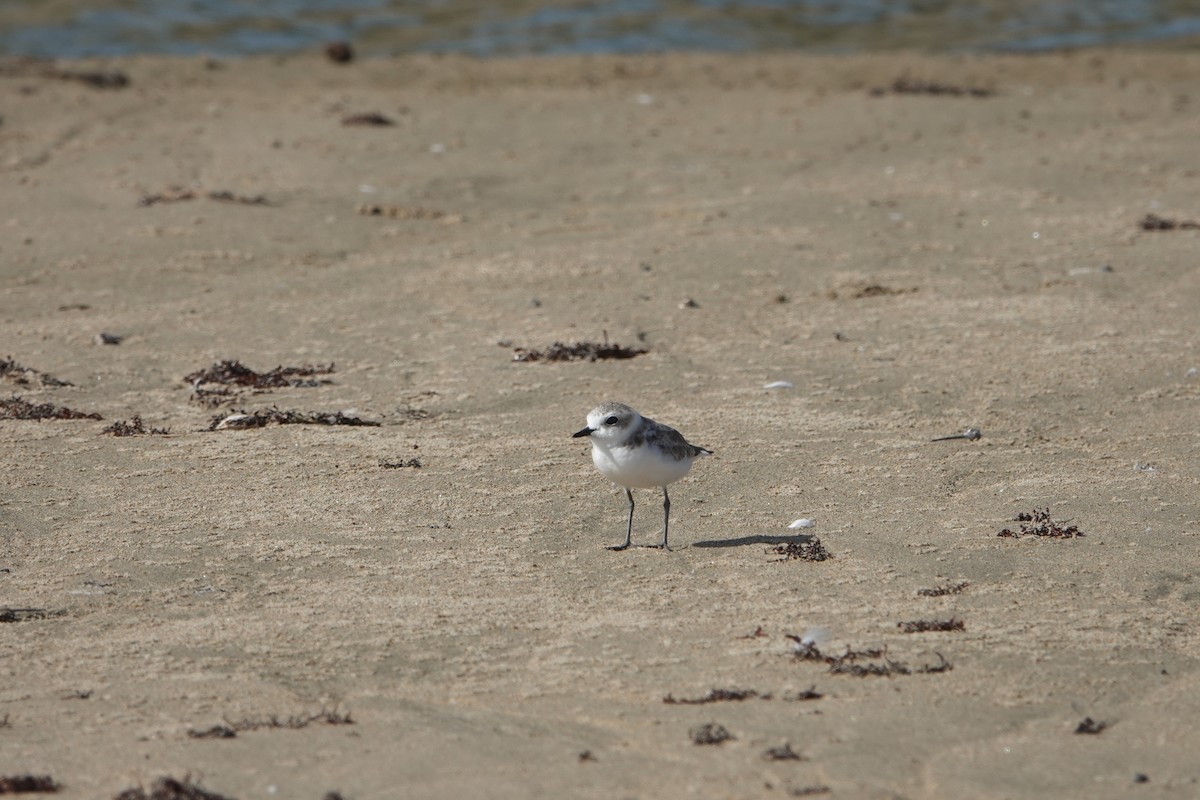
{"x": 636, "y": 452}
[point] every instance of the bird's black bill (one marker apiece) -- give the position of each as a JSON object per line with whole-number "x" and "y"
{"x": 584, "y": 432}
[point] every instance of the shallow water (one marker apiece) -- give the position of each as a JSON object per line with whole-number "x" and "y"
{"x": 72, "y": 28}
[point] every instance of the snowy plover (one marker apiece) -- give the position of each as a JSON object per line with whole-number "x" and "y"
{"x": 638, "y": 453}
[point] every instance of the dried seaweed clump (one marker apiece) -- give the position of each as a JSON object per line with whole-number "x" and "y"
{"x": 856, "y": 287}
{"x": 19, "y": 373}
{"x": 235, "y": 373}
{"x": 19, "y": 408}
{"x": 579, "y": 351}
{"x": 213, "y": 732}
{"x": 871, "y": 662}
{"x": 135, "y": 427}
{"x": 176, "y": 194}
{"x": 22, "y": 784}
{"x": 1153, "y": 222}
{"x": 811, "y": 550}
{"x": 923, "y": 625}
{"x": 783, "y": 752}
{"x": 710, "y": 733}
{"x": 409, "y": 213}
{"x": 265, "y": 416}
{"x": 367, "y": 119}
{"x": 26, "y": 614}
{"x": 910, "y": 86}
{"x": 1039, "y": 523}
{"x": 885, "y": 667}
{"x": 411, "y": 463}
{"x": 230, "y": 730}
{"x": 168, "y": 788}
{"x": 716, "y": 696}
{"x": 940, "y": 591}
{"x": 325, "y": 716}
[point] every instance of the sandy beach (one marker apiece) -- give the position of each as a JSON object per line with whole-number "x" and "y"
{"x": 425, "y": 608}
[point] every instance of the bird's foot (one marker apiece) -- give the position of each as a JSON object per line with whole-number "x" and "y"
{"x": 618, "y": 547}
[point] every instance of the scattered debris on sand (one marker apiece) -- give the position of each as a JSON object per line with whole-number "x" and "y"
{"x": 1153, "y": 222}
{"x": 809, "y": 550}
{"x": 18, "y": 408}
{"x": 411, "y": 463}
{"x": 784, "y": 752}
{"x": 367, "y": 120}
{"x": 28, "y": 784}
{"x": 577, "y": 351}
{"x": 233, "y": 373}
{"x": 168, "y": 788}
{"x": 27, "y": 614}
{"x": 23, "y": 375}
{"x": 941, "y": 591}
{"x": 1090, "y": 726}
{"x": 923, "y": 625}
{"x": 717, "y": 696}
{"x": 931, "y": 88}
{"x": 870, "y": 662}
{"x": 266, "y": 416}
{"x": 230, "y": 730}
{"x": 1039, "y": 523}
{"x": 176, "y": 194}
{"x": 135, "y": 427}
{"x": 710, "y": 733}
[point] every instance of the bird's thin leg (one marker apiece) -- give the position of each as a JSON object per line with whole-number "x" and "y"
{"x": 629, "y": 528}
{"x": 666, "y": 517}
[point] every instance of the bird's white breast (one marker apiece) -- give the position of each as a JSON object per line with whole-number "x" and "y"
{"x": 642, "y": 467}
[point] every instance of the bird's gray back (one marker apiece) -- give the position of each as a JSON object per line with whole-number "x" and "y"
{"x": 666, "y": 439}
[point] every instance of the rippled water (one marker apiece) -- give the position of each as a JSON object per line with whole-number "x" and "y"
{"x": 69, "y": 28}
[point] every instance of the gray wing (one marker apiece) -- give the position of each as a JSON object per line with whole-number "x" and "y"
{"x": 671, "y": 441}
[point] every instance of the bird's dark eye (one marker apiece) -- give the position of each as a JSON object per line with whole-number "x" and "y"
{"x": 610, "y": 421}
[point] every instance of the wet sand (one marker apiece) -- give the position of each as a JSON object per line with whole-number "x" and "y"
{"x": 913, "y": 264}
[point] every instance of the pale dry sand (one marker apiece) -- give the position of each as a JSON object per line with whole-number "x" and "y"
{"x": 466, "y": 613}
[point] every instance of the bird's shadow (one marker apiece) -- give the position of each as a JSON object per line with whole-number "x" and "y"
{"x": 761, "y": 538}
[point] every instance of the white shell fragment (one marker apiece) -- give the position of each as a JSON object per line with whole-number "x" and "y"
{"x": 779, "y": 385}
{"x": 233, "y": 421}
{"x": 806, "y": 643}
{"x": 803, "y": 522}
{"x": 815, "y": 636}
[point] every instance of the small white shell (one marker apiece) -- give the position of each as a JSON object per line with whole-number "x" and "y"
{"x": 803, "y": 522}
{"x": 779, "y": 385}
